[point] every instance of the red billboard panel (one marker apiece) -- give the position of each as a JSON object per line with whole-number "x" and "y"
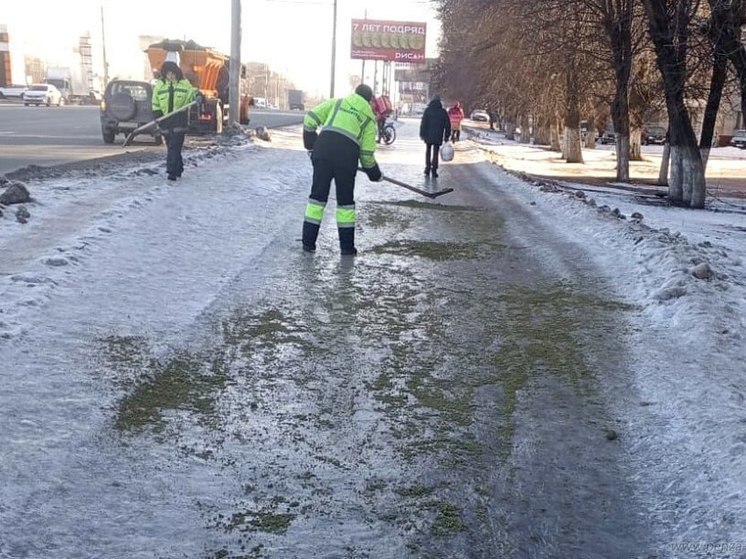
{"x": 397, "y": 41}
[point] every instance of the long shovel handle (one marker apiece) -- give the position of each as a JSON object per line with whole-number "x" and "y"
{"x": 154, "y": 122}
{"x": 414, "y": 188}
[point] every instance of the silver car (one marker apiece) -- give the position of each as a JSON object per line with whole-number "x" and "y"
{"x": 480, "y": 115}
{"x": 739, "y": 139}
{"x": 43, "y": 94}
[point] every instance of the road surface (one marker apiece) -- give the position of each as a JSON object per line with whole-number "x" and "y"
{"x": 46, "y": 136}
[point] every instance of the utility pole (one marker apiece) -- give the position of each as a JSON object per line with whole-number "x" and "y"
{"x": 103, "y": 46}
{"x": 334, "y": 49}
{"x": 234, "y": 70}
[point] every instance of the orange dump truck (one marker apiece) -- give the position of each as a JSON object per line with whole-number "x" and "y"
{"x": 207, "y": 70}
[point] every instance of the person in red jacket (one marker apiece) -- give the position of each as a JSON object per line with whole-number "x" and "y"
{"x": 456, "y": 115}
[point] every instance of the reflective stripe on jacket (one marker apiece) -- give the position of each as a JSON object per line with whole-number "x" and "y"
{"x": 352, "y": 117}
{"x": 167, "y": 100}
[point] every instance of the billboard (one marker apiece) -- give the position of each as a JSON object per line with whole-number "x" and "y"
{"x": 396, "y": 41}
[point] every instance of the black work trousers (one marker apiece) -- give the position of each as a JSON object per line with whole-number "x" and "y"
{"x": 432, "y": 151}
{"x": 174, "y": 142}
{"x": 342, "y": 171}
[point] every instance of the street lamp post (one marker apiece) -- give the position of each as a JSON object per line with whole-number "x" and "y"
{"x": 234, "y": 69}
{"x": 103, "y": 46}
{"x": 334, "y": 49}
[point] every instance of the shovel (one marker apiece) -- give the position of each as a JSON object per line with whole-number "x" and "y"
{"x": 427, "y": 193}
{"x": 152, "y": 123}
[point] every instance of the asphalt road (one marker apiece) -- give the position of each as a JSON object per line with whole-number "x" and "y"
{"x": 48, "y": 136}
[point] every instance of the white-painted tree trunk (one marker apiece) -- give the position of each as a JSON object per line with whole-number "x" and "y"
{"x": 554, "y": 131}
{"x": 687, "y": 184}
{"x": 622, "y": 158}
{"x": 573, "y": 149}
{"x": 676, "y": 180}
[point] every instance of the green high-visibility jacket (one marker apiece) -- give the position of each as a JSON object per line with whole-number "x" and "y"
{"x": 163, "y": 101}
{"x": 350, "y": 116}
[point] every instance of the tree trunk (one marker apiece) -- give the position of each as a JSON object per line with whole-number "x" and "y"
{"x": 669, "y": 33}
{"x": 665, "y": 158}
{"x": 573, "y": 149}
{"x": 509, "y": 130}
{"x": 543, "y": 133}
{"x": 617, "y": 21}
{"x": 676, "y": 182}
{"x": 554, "y": 131}
{"x": 622, "y": 157}
{"x": 635, "y": 143}
{"x": 717, "y": 82}
{"x": 525, "y": 130}
{"x": 728, "y": 19}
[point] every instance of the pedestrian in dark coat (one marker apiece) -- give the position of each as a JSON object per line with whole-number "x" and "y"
{"x": 435, "y": 128}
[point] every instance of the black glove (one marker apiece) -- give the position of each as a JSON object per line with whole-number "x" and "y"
{"x": 374, "y": 173}
{"x": 309, "y": 139}
{"x": 157, "y": 114}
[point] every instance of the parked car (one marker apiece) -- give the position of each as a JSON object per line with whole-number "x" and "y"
{"x": 608, "y": 136}
{"x": 739, "y": 139}
{"x": 480, "y": 115}
{"x": 126, "y": 105}
{"x": 42, "y": 94}
{"x": 653, "y": 135}
{"x": 12, "y": 91}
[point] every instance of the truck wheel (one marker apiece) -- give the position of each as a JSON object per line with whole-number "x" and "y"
{"x": 108, "y": 136}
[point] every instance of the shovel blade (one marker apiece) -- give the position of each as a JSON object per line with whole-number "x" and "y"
{"x": 145, "y": 128}
{"x": 439, "y": 193}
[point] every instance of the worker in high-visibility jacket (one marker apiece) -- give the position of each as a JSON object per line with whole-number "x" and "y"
{"x": 170, "y": 93}
{"x": 348, "y": 134}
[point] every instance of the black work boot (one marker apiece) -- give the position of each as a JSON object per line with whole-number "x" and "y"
{"x": 347, "y": 241}
{"x": 427, "y": 170}
{"x": 310, "y": 234}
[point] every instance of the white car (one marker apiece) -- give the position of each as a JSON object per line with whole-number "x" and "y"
{"x": 43, "y": 94}
{"x": 479, "y": 114}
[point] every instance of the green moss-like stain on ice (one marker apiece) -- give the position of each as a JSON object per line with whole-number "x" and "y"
{"x": 434, "y": 250}
{"x": 543, "y": 329}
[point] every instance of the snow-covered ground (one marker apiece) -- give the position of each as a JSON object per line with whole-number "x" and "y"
{"x": 652, "y": 253}
{"x": 699, "y": 426}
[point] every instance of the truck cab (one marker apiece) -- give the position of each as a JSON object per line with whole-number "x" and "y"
{"x": 64, "y": 87}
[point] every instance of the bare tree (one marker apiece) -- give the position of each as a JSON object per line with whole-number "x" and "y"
{"x": 723, "y": 29}
{"x": 668, "y": 23}
{"x": 617, "y": 19}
